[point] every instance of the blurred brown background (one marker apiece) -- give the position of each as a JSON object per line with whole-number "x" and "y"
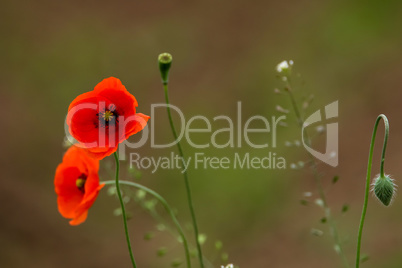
{"x": 224, "y": 52}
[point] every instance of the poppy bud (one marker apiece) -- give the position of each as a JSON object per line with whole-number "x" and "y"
{"x": 165, "y": 61}
{"x": 384, "y": 189}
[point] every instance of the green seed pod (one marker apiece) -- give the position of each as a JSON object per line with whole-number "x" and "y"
{"x": 165, "y": 61}
{"x": 384, "y": 189}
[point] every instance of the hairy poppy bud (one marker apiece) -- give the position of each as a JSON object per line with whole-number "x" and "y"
{"x": 165, "y": 61}
{"x": 384, "y": 189}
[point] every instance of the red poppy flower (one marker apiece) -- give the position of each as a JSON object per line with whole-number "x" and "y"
{"x": 76, "y": 184}
{"x": 101, "y": 119}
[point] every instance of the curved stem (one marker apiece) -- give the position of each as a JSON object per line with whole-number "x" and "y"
{"x": 321, "y": 192}
{"x": 168, "y": 210}
{"x": 186, "y": 181}
{"x": 123, "y": 210}
{"x": 384, "y": 147}
{"x": 367, "y": 190}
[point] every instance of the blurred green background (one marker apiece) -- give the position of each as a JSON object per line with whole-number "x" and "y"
{"x": 224, "y": 51}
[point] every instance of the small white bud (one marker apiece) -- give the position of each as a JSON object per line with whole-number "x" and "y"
{"x": 281, "y": 109}
{"x": 284, "y": 69}
{"x": 282, "y": 66}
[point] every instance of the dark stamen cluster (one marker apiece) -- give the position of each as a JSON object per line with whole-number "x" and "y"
{"x": 108, "y": 117}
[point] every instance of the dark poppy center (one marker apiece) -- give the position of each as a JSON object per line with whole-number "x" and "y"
{"x": 108, "y": 116}
{"x": 80, "y": 182}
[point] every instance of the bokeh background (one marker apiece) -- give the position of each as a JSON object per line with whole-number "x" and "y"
{"x": 224, "y": 51}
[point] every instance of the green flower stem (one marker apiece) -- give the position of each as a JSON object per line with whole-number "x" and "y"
{"x": 168, "y": 209}
{"x": 368, "y": 177}
{"x": 123, "y": 210}
{"x": 186, "y": 181}
{"x": 317, "y": 179}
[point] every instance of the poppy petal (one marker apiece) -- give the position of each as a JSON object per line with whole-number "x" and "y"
{"x": 100, "y": 153}
{"x": 114, "y": 84}
{"x": 67, "y": 205}
{"x": 137, "y": 124}
{"x": 80, "y": 219}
